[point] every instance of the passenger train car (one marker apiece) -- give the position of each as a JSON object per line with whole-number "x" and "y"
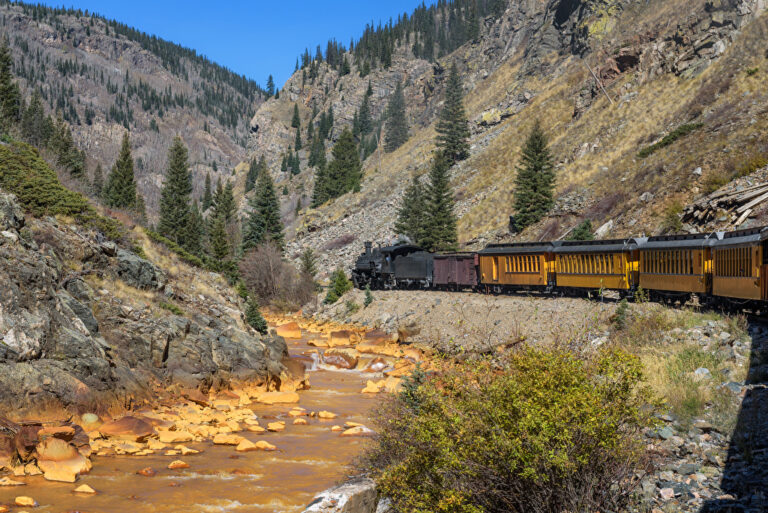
{"x": 719, "y": 267}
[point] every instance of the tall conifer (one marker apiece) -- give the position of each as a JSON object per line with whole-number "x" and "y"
{"x": 412, "y": 215}
{"x": 121, "y": 185}
{"x": 175, "y": 196}
{"x": 207, "y": 193}
{"x": 535, "y": 181}
{"x": 296, "y": 120}
{"x": 10, "y": 95}
{"x": 263, "y": 223}
{"x": 452, "y": 125}
{"x": 397, "y": 122}
{"x": 440, "y": 233}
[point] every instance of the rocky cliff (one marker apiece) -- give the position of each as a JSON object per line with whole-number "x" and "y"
{"x": 89, "y": 325}
{"x": 606, "y": 79}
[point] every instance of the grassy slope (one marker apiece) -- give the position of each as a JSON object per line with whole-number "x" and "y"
{"x": 612, "y": 176}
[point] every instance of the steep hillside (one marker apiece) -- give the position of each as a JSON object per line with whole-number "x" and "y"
{"x": 660, "y": 65}
{"x": 105, "y": 78}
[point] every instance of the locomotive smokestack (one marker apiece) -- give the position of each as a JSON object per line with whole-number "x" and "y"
{"x": 368, "y": 247}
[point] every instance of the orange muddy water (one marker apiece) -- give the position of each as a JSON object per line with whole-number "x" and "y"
{"x": 310, "y": 458}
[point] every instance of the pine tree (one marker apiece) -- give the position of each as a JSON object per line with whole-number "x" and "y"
{"x": 535, "y": 181}
{"x": 219, "y": 246}
{"x": 207, "y": 194}
{"x": 297, "y": 141}
{"x": 320, "y": 193}
{"x": 10, "y": 95}
{"x": 440, "y": 233}
{"x": 397, "y": 122}
{"x": 344, "y": 173}
{"x": 270, "y": 86}
{"x": 412, "y": 215}
{"x": 296, "y": 121}
{"x": 364, "y": 120}
{"x": 250, "y": 178}
{"x": 263, "y": 223}
{"x": 254, "y": 318}
{"x": 32, "y": 121}
{"x": 308, "y": 262}
{"x": 224, "y": 202}
{"x": 452, "y": 125}
{"x": 97, "y": 184}
{"x": 175, "y": 196}
{"x": 583, "y": 231}
{"x": 339, "y": 286}
{"x": 195, "y": 231}
{"x": 284, "y": 164}
{"x": 121, "y": 186}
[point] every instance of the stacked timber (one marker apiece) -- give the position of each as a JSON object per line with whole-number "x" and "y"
{"x": 735, "y": 203}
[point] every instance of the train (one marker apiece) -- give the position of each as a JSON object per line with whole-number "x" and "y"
{"x": 719, "y": 268}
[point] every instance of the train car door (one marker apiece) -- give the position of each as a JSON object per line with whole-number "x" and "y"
{"x": 495, "y": 269}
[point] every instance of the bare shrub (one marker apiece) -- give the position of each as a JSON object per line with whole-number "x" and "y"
{"x": 340, "y": 242}
{"x": 605, "y": 206}
{"x": 550, "y": 230}
{"x": 273, "y": 280}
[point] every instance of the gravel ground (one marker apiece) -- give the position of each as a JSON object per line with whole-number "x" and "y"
{"x": 454, "y": 322}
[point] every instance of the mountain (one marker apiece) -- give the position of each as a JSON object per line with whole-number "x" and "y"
{"x": 104, "y": 78}
{"x": 647, "y": 105}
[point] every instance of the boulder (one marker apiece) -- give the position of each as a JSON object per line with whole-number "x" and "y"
{"x": 60, "y": 461}
{"x": 276, "y": 427}
{"x": 25, "y": 502}
{"x": 81, "y": 311}
{"x": 127, "y": 428}
{"x": 174, "y": 437}
{"x": 340, "y": 358}
{"x": 290, "y": 330}
{"x": 11, "y": 214}
{"x": 177, "y": 465}
{"x": 377, "y": 364}
{"x": 340, "y": 338}
{"x": 227, "y": 439}
{"x": 326, "y": 415}
{"x": 84, "y": 488}
{"x": 357, "y": 496}
{"x": 138, "y": 272}
{"x": 358, "y": 431}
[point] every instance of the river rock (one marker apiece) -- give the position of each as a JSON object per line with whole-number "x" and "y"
{"x": 84, "y": 488}
{"x": 354, "y": 497}
{"x": 174, "y": 437}
{"x": 371, "y": 387}
{"x": 290, "y": 330}
{"x": 341, "y": 358}
{"x": 147, "y": 472}
{"x": 177, "y": 465}
{"x": 25, "y": 502}
{"x": 60, "y": 461}
{"x": 300, "y": 422}
{"x": 358, "y": 431}
{"x": 227, "y": 439}
{"x": 265, "y": 446}
{"x": 326, "y": 415}
{"x": 340, "y": 338}
{"x": 378, "y": 364}
{"x": 7, "y": 481}
{"x": 127, "y": 428}
{"x": 276, "y": 427}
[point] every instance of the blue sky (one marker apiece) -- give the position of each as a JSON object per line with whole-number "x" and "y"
{"x": 254, "y": 38}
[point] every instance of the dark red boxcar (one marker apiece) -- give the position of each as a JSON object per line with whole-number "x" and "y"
{"x": 455, "y": 270}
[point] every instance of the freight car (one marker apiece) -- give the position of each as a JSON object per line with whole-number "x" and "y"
{"x": 719, "y": 268}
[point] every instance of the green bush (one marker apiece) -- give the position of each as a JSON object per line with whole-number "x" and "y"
{"x": 254, "y": 318}
{"x": 620, "y": 317}
{"x": 24, "y": 173}
{"x": 339, "y": 286}
{"x": 672, "y": 222}
{"x": 583, "y": 231}
{"x": 352, "y": 307}
{"x": 185, "y": 255}
{"x": 670, "y": 138}
{"x": 172, "y": 308}
{"x": 368, "y": 297}
{"x": 541, "y": 431}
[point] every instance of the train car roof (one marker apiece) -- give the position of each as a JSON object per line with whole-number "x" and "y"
{"x": 742, "y": 237}
{"x": 598, "y": 246}
{"x": 693, "y": 241}
{"x": 519, "y": 248}
{"x": 456, "y": 254}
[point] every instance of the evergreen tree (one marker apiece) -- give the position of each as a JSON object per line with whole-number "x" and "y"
{"x": 263, "y": 223}
{"x": 440, "y": 233}
{"x": 339, "y": 286}
{"x": 32, "y": 121}
{"x": 397, "y": 122}
{"x": 297, "y": 141}
{"x": 97, "y": 184}
{"x": 412, "y": 215}
{"x": 284, "y": 164}
{"x": 175, "y": 196}
{"x": 121, "y": 186}
{"x": 535, "y": 181}
{"x": 224, "y": 202}
{"x": 219, "y": 246}
{"x": 583, "y": 231}
{"x": 296, "y": 121}
{"x": 10, "y": 95}
{"x": 320, "y": 193}
{"x": 317, "y": 153}
{"x": 207, "y": 194}
{"x": 250, "y": 178}
{"x": 254, "y": 318}
{"x": 295, "y": 164}
{"x": 308, "y": 262}
{"x": 344, "y": 173}
{"x": 452, "y": 125}
{"x": 270, "y": 86}
{"x": 195, "y": 231}
{"x": 364, "y": 120}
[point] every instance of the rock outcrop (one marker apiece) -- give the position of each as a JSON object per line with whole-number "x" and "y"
{"x": 358, "y": 496}
{"x": 84, "y": 323}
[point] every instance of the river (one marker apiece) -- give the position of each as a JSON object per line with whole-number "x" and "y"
{"x": 309, "y": 459}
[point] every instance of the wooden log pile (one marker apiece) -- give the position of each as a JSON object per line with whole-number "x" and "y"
{"x": 737, "y": 204}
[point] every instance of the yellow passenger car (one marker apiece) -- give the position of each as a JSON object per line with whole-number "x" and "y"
{"x": 739, "y": 265}
{"x": 599, "y": 264}
{"x": 518, "y": 265}
{"x": 680, "y": 264}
